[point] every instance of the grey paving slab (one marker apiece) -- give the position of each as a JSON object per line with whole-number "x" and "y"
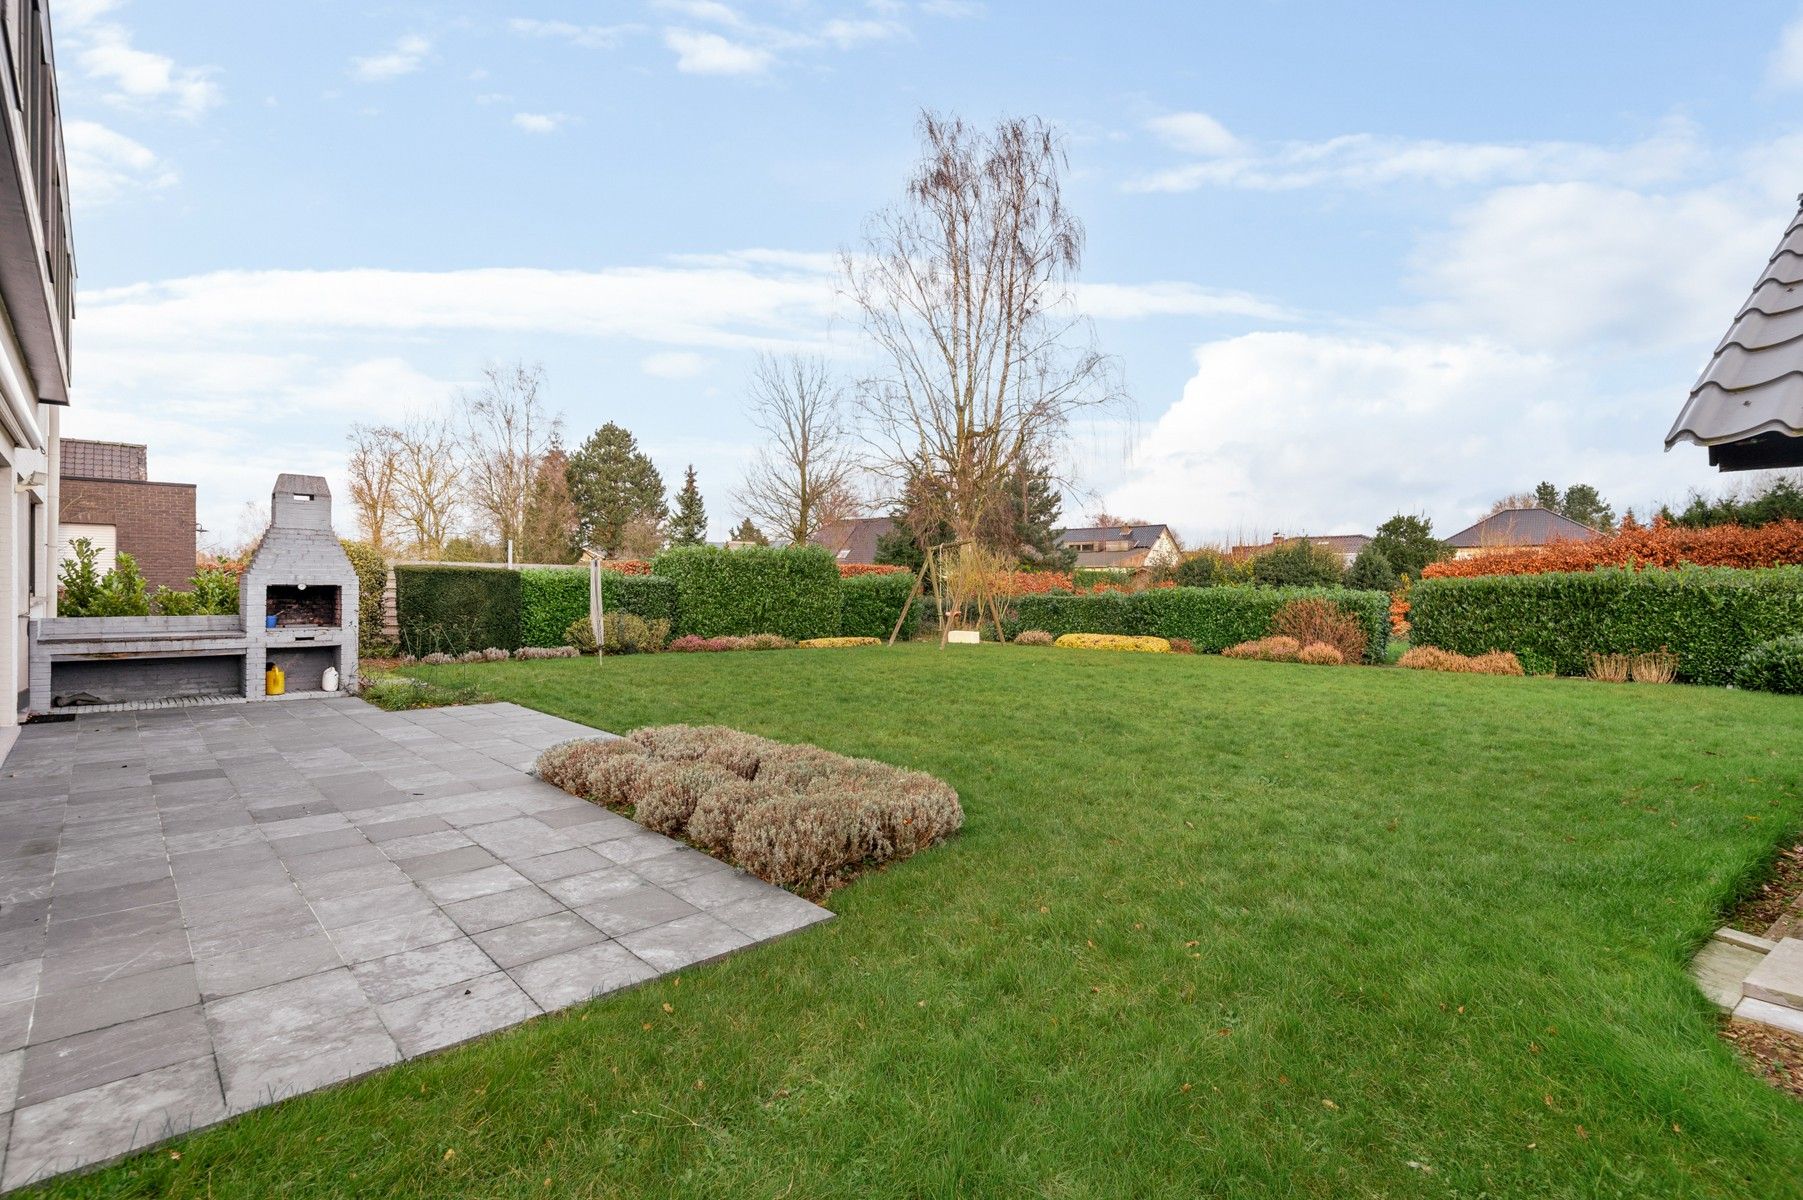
{"x": 203, "y": 910}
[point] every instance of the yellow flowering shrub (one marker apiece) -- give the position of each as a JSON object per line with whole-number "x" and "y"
{"x": 835, "y": 643}
{"x": 1114, "y": 641}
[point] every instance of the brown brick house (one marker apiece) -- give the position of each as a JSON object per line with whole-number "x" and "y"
{"x": 109, "y": 498}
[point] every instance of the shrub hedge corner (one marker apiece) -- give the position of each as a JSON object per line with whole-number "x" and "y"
{"x": 452, "y": 610}
{"x": 551, "y": 598}
{"x": 871, "y": 605}
{"x": 1710, "y": 617}
{"x": 789, "y": 590}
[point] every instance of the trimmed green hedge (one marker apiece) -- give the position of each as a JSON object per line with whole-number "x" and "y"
{"x": 372, "y": 582}
{"x": 871, "y": 604}
{"x": 552, "y": 597}
{"x": 1211, "y": 618}
{"x": 452, "y": 610}
{"x": 790, "y": 590}
{"x": 1710, "y": 617}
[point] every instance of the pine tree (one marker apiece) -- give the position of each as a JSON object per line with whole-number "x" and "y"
{"x": 748, "y": 534}
{"x": 688, "y": 527}
{"x": 617, "y": 491}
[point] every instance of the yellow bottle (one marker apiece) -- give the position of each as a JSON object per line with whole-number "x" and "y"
{"x": 274, "y": 681}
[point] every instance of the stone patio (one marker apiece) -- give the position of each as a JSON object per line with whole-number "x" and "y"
{"x": 204, "y": 910}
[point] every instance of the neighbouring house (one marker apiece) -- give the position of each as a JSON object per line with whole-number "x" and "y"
{"x": 109, "y": 498}
{"x": 1518, "y": 529}
{"x": 1747, "y": 408}
{"x": 1346, "y": 545}
{"x": 37, "y": 290}
{"x": 1121, "y": 547}
{"x": 854, "y": 539}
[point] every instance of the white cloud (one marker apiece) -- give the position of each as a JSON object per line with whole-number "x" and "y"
{"x": 846, "y": 34}
{"x": 710, "y": 11}
{"x": 589, "y": 37}
{"x": 1366, "y": 160}
{"x": 1785, "y": 70}
{"x": 700, "y": 53}
{"x": 541, "y": 122}
{"x": 105, "y": 164}
{"x": 674, "y": 364}
{"x": 139, "y": 80}
{"x": 406, "y": 56}
{"x": 1320, "y": 433}
{"x": 1194, "y": 133}
{"x": 1572, "y": 264}
{"x": 1132, "y": 301}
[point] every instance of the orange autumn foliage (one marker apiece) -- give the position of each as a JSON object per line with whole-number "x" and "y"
{"x": 1656, "y": 545}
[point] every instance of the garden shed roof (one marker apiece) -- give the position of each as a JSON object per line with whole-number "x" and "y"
{"x": 1748, "y": 406}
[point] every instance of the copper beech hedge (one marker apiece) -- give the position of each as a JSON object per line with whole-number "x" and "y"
{"x": 1658, "y": 545}
{"x": 793, "y": 815}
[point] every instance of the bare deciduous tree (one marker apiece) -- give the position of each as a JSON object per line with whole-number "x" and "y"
{"x": 965, "y": 288}
{"x": 505, "y": 434}
{"x": 805, "y": 474}
{"x": 372, "y": 467}
{"x": 427, "y": 482}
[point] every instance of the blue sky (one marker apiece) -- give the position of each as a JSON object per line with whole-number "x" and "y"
{"x": 1354, "y": 259}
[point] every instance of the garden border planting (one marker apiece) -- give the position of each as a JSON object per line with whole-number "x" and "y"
{"x": 1211, "y": 618}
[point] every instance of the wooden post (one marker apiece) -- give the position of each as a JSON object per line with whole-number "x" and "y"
{"x": 913, "y": 594}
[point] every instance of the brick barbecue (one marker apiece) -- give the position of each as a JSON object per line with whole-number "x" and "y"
{"x": 297, "y": 608}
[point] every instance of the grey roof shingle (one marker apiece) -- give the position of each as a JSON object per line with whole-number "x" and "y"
{"x": 854, "y": 539}
{"x": 1754, "y": 382}
{"x": 1521, "y": 527}
{"x": 1142, "y": 537}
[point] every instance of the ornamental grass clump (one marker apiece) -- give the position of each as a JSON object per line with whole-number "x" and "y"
{"x": 1432, "y": 658}
{"x": 1321, "y": 654}
{"x": 1660, "y": 666}
{"x": 1266, "y": 649}
{"x": 1609, "y": 668}
{"x": 795, "y": 815}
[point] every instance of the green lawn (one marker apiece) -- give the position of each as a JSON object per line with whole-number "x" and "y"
{"x": 1212, "y": 928}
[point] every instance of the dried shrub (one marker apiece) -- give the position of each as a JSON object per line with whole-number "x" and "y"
{"x": 1182, "y": 646}
{"x": 1431, "y": 658}
{"x": 668, "y": 795}
{"x": 495, "y": 654}
{"x": 437, "y": 658}
{"x": 570, "y": 765}
{"x": 1609, "y": 668}
{"x": 1113, "y": 641}
{"x": 837, "y": 643}
{"x": 1312, "y": 621}
{"x": 768, "y": 641}
{"x": 800, "y": 839}
{"x": 1321, "y": 654}
{"x": 795, "y": 815}
{"x": 1032, "y": 637}
{"x": 717, "y": 813}
{"x": 534, "y": 652}
{"x": 1660, "y": 666}
{"x": 1268, "y": 649}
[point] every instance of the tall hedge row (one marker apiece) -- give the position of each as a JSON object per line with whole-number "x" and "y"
{"x": 790, "y": 590}
{"x": 1708, "y": 616}
{"x": 553, "y": 597}
{"x": 872, "y": 603}
{"x": 1212, "y": 618}
{"x": 451, "y": 610}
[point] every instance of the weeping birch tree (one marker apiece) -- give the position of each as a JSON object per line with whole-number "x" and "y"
{"x": 965, "y": 286}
